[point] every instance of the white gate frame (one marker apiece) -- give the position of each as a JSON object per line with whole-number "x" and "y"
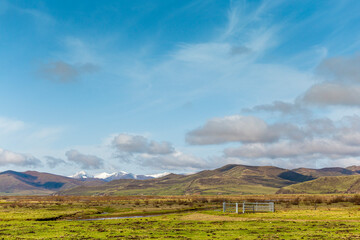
{"x": 251, "y": 207}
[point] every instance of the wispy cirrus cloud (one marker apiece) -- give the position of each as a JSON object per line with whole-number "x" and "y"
{"x": 223, "y": 65}
{"x": 9, "y": 125}
{"x": 41, "y": 17}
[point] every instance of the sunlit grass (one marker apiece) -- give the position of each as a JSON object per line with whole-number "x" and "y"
{"x": 296, "y": 217}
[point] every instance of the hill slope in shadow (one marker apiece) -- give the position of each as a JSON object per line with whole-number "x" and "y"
{"x": 37, "y": 183}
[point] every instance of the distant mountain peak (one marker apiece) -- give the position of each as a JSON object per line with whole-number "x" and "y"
{"x": 116, "y": 175}
{"x": 81, "y": 175}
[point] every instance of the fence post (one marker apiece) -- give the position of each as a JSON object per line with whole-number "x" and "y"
{"x": 243, "y": 207}
{"x": 272, "y": 207}
{"x": 237, "y": 207}
{"x": 224, "y": 206}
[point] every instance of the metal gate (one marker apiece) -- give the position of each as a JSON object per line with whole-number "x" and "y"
{"x": 245, "y": 207}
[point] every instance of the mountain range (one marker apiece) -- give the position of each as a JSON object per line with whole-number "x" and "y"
{"x": 36, "y": 183}
{"x": 229, "y": 179}
{"x": 107, "y": 177}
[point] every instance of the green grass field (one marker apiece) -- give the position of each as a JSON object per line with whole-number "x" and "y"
{"x": 296, "y": 217}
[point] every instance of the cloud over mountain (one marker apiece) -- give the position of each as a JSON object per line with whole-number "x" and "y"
{"x": 127, "y": 143}
{"x": 85, "y": 161}
{"x": 53, "y": 162}
{"x": 17, "y": 159}
{"x": 313, "y": 139}
{"x": 159, "y": 155}
{"x": 312, "y": 148}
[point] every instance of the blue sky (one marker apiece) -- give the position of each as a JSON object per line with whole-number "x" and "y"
{"x": 181, "y": 86}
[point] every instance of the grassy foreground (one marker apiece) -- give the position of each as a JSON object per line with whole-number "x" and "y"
{"x": 297, "y": 217}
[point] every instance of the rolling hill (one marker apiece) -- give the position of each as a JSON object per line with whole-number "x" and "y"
{"x": 325, "y": 185}
{"x": 230, "y": 179}
{"x": 334, "y": 171}
{"x": 37, "y": 183}
{"x": 354, "y": 169}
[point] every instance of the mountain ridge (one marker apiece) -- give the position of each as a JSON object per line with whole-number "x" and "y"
{"x": 37, "y": 183}
{"x": 107, "y": 177}
{"x": 228, "y": 179}
{"x": 325, "y": 185}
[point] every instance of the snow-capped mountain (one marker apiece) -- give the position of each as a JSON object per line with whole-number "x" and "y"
{"x": 81, "y": 175}
{"x": 116, "y": 175}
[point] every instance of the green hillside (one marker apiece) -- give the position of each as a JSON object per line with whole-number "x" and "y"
{"x": 230, "y": 179}
{"x": 37, "y": 183}
{"x": 333, "y": 171}
{"x": 324, "y": 185}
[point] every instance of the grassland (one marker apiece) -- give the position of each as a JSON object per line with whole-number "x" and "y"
{"x": 191, "y": 217}
{"x": 231, "y": 179}
{"x": 325, "y": 185}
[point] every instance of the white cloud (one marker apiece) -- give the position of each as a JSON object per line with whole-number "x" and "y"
{"x": 313, "y": 149}
{"x": 340, "y": 86}
{"x": 53, "y": 162}
{"x": 231, "y": 129}
{"x": 223, "y": 66}
{"x": 315, "y": 139}
{"x": 173, "y": 161}
{"x": 127, "y": 143}
{"x": 245, "y": 129}
{"x": 17, "y": 159}
{"x": 341, "y": 69}
{"x": 332, "y": 94}
{"x": 137, "y": 149}
{"x": 85, "y": 161}
{"x": 285, "y": 108}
